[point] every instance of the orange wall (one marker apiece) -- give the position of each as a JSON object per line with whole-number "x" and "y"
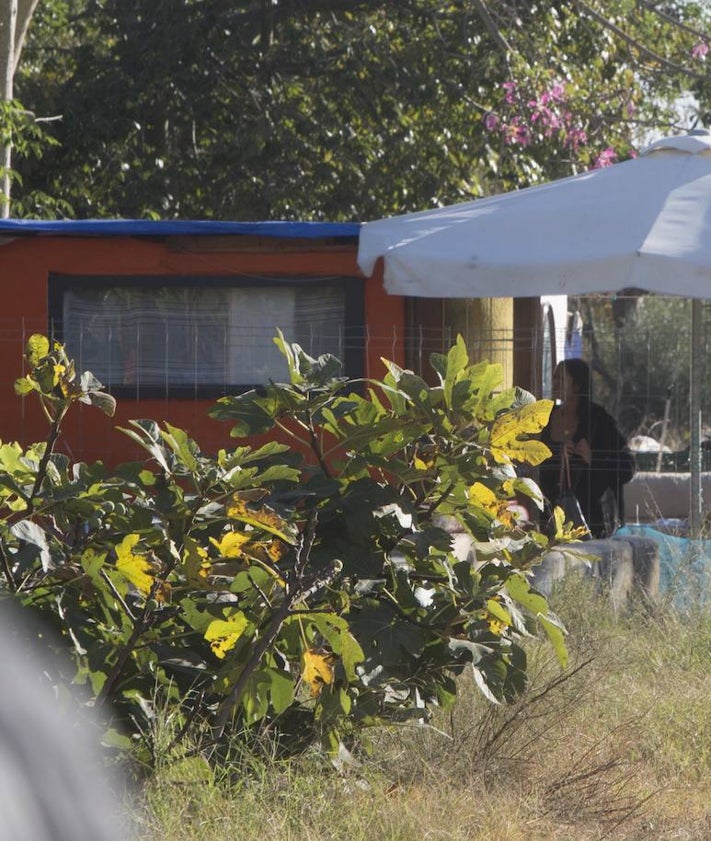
{"x": 26, "y": 262}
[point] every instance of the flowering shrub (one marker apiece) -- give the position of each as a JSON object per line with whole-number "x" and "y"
{"x": 526, "y": 116}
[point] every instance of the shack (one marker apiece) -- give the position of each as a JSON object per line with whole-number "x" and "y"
{"x": 171, "y": 315}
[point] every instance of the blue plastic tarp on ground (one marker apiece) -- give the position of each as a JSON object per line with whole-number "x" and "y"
{"x": 685, "y": 565}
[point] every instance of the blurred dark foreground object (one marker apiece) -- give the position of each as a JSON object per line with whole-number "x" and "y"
{"x": 52, "y": 785}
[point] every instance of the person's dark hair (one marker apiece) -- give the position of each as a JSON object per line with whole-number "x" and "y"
{"x": 579, "y": 372}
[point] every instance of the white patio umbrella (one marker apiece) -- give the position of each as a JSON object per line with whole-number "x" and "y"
{"x": 643, "y": 224}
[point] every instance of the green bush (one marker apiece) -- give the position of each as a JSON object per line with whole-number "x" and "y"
{"x": 303, "y": 588}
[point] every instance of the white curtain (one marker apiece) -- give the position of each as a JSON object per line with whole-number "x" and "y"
{"x": 198, "y": 335}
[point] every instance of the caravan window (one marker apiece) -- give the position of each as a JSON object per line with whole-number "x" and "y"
{"x": 188, "y": 336}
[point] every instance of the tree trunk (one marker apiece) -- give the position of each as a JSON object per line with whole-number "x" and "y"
{"x": 15, "y": 16}
{"x": 487, "y": 326}
{"x": 8, "y": 26}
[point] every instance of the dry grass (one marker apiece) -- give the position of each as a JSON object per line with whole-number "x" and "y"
{"x": 617, "y": 747}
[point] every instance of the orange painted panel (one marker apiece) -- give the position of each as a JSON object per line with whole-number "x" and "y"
{"x": 25, "y": 265}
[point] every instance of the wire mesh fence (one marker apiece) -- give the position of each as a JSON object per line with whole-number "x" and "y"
{"x": 640, "y": 351}
{"x": 638, "y": 347}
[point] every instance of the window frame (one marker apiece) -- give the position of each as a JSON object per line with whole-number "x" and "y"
{"x": 353, "y": 357}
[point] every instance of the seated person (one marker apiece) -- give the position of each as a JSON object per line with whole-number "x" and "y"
{"x": 599, "y": 460}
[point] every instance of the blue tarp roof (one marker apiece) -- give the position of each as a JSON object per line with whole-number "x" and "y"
{"x": 186, "y": 227}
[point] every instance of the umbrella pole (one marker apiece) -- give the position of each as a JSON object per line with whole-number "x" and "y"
{"x": 695, "y": 502}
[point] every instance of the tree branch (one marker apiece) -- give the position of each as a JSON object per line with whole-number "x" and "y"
{"x": 494, "y": 31}
{"x": 679, "y": 24}
{"x": 287, "y": 9}
{"x": 25, "y": 10}
{"x": 643, "y": 50}
{"x": 296, "y": 591}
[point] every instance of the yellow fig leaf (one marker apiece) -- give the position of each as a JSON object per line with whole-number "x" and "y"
{"x": 559, "y": 522}
{"x": 223, "y": 634}
{"x": 267, "y": 555}
{"x": 497, "y": 617}
{"x": 317, "y": 670}
{"x": 57, "y": 370}
{"x": 498, "y": 611}
{"x": 263, "y": 518}
{"x": 36, "y": 349}
{"x": 508, "y": 486}
{"x": 24, "y": 385}
{"x": 276, "y": 550}
{"x": 134, "y": 567}
{"x": 496, "y": 626}
{"x": 509, "y": 434}
{"x": 485, "y": 499}
{"x": 196, "y": 564}
{"x": 565, "y": 530}
{"x": 231, "y": 543}
{"x": 137, "y": 569}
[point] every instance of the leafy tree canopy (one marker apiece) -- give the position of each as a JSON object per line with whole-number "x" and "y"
{"x": 220, "y": 108}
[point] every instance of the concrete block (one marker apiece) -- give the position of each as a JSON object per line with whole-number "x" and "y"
{"x": 556, "y": 564}
{"x": 616, "y": 568}
{"x": 625, "y": 564}
{"x": 646, "y": 565}
{"x": 653, "y": 496}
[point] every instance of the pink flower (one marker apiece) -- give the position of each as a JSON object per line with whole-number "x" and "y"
{"x": 517, "y": 135}
{"x": 523, "y": 136}
{"x": 575, "y": 137}
{"x": 510, "y": 88}
{"x": 699, "y": 50}
{"x": 491, "y": 121}
{"x": 606, "y": 158}
{"x": 557, "y": 92}
{"x": 549, "y": 118}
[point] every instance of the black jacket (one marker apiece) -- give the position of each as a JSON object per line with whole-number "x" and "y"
{"x": 612, "y": 465}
